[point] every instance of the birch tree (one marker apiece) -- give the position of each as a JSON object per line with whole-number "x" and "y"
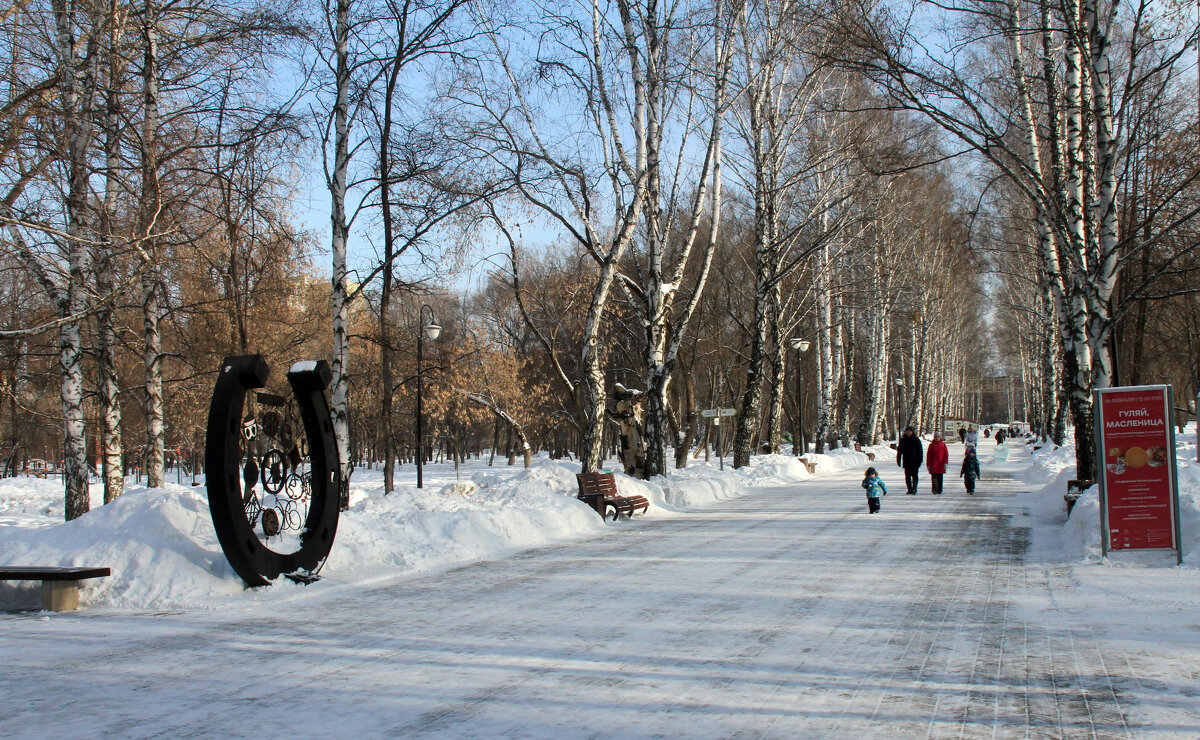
{"x": 789, "y": 181}
{"x": 594, "y": 188}
{"x": 670, "y": 263}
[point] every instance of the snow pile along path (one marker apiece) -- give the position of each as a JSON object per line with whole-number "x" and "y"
{"x": 164, "y": 554}
{"x": 1078, "y": 538}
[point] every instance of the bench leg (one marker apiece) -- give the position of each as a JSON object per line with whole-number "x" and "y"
{"x": 60, "y": 596}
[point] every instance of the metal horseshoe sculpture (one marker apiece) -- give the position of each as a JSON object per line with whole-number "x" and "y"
{"x": 237, "y": 511}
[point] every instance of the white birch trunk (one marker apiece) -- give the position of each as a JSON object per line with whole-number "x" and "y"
{"x": 112, "y": 468}
{"x": 1105, "y": 270}
{"x": 825, "y": 374}
{"x": 71, "y": 297}
{"x": 151, "y": 305}
{"x": 846, "y": 337}
{"x": 340, "y": 381}
{"x": 662, "y": 350}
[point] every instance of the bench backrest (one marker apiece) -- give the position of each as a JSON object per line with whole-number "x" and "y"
{"x": 591, "y": 484}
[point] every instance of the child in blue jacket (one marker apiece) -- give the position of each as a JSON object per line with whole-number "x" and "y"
{"x": 874, "y": 485}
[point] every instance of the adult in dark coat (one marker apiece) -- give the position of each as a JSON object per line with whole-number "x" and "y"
{"x": 909, "y": 455}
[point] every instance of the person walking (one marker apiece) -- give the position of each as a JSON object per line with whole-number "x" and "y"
{"x": 874, "y": 485}
{"x": 972, "y": 438}
{"x": 935, "y": 460}
{"x": 962, "y": 434}
{"x": 909, "y": 455}
{"x": 970, "y": 470}
{"x": 1001, "y": 435}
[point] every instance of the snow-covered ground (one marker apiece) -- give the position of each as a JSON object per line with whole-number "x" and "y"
{"x": 755, "y": 600}
{"x": 164, "y": 554}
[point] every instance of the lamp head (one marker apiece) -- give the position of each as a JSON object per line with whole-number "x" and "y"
{"x": 799, "y": 344}
{"x": 432, "y": 331}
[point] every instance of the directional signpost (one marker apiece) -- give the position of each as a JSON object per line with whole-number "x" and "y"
{"x": 715, "y": 415}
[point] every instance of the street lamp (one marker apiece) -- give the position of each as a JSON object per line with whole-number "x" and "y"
{"x": 799, "y": 445}
{"x": 431, "y": 330}
{"x": 899, "y": 399}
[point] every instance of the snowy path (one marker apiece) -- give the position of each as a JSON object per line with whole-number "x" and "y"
{"x": 789, "y": 613}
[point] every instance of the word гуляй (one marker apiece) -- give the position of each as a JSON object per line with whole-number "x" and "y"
{"x": 1123, "y": 419}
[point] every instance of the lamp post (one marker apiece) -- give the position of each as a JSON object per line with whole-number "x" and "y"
{"x": 899, "y": 399}
{"x": 432, "y": 330}
{"x": 799, "y": 445}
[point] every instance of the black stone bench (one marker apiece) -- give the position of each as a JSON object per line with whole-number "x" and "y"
{"x": 60, "y": 586}
{"x": 599, "y": 491}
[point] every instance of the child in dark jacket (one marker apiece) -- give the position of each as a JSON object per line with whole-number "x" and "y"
{"x": 970, "y": 470}
{"x": 874, "y": 485}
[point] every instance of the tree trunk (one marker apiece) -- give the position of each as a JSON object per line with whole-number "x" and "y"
{"x": 151, "y": 206}
{"x": 340, "y": 392}
{"x": 825, "y": 346}
{"x": 748, "y": 411}
{"x": 106, "y": 349}
{"x": 846, "y": 387}
{"x": 71, "y": 298}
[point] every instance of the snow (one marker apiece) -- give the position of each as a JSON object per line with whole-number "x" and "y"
{"x": 165, "y": 558}
{"x": 164, "y": 554}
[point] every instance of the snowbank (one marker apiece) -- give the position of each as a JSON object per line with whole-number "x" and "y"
{"x": 420, "y": 529}
{"x": 160, "y": 544}
{"x": 845, "y": 458}
{"x": 696, "y": 486}
{"x": 164, "y": 554}
{"x": 1077, "y": 539}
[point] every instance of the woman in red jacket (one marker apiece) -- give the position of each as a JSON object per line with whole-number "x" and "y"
{"x": 935, "y": 459}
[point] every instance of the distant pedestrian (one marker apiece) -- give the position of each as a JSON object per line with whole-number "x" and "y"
{"x": 987, "y": 432}
{"x": 1001, "y": 435}
{"x": 875, "y": 488}
{"x": 962, "y": 434}
{"x": 972, "y": 438}
{"x": 909, "y": 455}
{"x": 935, "y": 459}
{"x": 970, "y": 470}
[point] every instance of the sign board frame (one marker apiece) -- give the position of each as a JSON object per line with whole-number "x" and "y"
{"x": 1128, "y": 419}
{"x": 950, "y": 426}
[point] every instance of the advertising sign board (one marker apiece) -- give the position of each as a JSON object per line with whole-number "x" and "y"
{"x": 1135, "y": 454}
{"x": 950, "y": 427}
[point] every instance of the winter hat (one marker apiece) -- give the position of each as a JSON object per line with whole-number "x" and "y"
{"x": 872, "y": 471}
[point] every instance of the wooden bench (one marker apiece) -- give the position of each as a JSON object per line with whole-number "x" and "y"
{"x": 60, "y": 586}
{"x": 599, "y": 491}
{"x": 811, "y": 466}
{"x": 1075, "y": 491}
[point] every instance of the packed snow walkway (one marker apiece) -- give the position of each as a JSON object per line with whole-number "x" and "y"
{"x": 788, "y": 613}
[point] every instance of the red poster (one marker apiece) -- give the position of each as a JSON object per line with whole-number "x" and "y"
{"x": 1137, "y": 447}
